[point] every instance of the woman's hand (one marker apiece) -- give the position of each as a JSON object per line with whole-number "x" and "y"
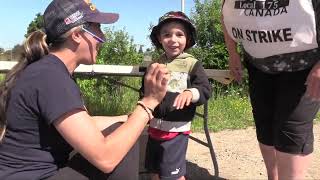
{"x": 183, "y": 99}
{"x": 235, "y": 67}
{"x": 155, "y": 84}
{"x": 313, "y": 83}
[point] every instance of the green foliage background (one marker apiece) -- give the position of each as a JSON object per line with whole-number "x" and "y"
{"x": 105, "y": 95}
{"x": 229, "y": 108}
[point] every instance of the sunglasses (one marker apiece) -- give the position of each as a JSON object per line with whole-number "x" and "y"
{"x": 93, "y": 35}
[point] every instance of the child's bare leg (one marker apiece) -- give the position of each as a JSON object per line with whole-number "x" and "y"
{"x": 155, "y": 177}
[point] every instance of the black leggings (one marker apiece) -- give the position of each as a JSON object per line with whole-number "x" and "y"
{"x": 79, "y": 168}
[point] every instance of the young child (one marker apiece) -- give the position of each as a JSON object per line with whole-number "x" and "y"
{"x": 188, "y": 87}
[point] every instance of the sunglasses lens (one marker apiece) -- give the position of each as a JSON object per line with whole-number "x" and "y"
{"x": 101, "y": 40}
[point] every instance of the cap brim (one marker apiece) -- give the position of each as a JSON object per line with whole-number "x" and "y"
{"x": 104, "y": 18}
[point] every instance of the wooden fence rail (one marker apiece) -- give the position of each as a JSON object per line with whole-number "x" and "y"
{"x": 222, "y": 76}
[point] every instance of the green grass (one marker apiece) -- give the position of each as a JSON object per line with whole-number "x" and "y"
{"x": 228, "y": 110}
{"x": 225, "y": 112}
{"x": 103, "y": 97}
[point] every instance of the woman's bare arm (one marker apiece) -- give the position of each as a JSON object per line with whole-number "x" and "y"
{"x": 81, "y": 131}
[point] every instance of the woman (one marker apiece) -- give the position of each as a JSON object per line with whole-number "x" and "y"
{"x": 281, "y": 55}
{"x": 42, "y": 114}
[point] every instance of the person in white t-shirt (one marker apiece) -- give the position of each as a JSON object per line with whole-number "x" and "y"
{"x": 281, "y": 55}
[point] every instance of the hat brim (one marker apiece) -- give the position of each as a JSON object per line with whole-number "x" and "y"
{"x": 154, "y": 37}
{"x": 103, "y": 18}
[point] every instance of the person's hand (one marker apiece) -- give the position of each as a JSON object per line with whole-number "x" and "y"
{"x": 235, "y": 67}
{"x": 313, "y": 83}
{"x": 155, "y": 84}
{"x": 183, "y": 99}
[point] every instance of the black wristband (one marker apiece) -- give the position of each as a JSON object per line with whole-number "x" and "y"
{"x": 148, "y": 110}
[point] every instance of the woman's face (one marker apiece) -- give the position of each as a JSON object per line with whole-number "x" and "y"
{"x": 173, "y": 39}
{"x": 93, "y": 37}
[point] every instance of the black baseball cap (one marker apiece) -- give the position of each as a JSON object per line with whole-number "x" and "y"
{"x": 63, "y": 15}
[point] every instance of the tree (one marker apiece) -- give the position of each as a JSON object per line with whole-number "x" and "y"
{"x": 3, "y": 55}
{"x": 36, "y": 24}
{"x": 141, "y": 49}
{"x": 102, "y": 95}
{"x": 17, "y": 52}
{"x": 119, "y": 49}
{"x": 206, "y": 17}
{"x": 210, "y": 47}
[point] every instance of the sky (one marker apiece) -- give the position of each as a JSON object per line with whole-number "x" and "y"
{"x": 135, "y": 17}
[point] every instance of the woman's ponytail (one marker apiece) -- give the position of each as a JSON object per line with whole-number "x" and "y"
{"x": 35, "y": 47}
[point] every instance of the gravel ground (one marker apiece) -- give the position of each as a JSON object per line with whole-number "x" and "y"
{"x": 238, "y": 156}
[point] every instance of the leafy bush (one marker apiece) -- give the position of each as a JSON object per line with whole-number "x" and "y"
{"x": 231, "y": 111}
{"x": 210, "y": 47}
{"x": 119, "y": 49}
{"x": 104, "y": 95}
{"x": 214, "y": 57}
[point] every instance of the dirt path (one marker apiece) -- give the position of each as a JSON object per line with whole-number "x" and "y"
{"x": 238, "y": 156}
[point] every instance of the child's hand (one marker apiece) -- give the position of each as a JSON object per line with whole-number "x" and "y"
{"x": 183, "y": 99}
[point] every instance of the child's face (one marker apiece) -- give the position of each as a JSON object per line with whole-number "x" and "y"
{"x": 173, "y": 38}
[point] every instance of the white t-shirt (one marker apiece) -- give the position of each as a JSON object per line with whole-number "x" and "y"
{"x": 271, "y": 27}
